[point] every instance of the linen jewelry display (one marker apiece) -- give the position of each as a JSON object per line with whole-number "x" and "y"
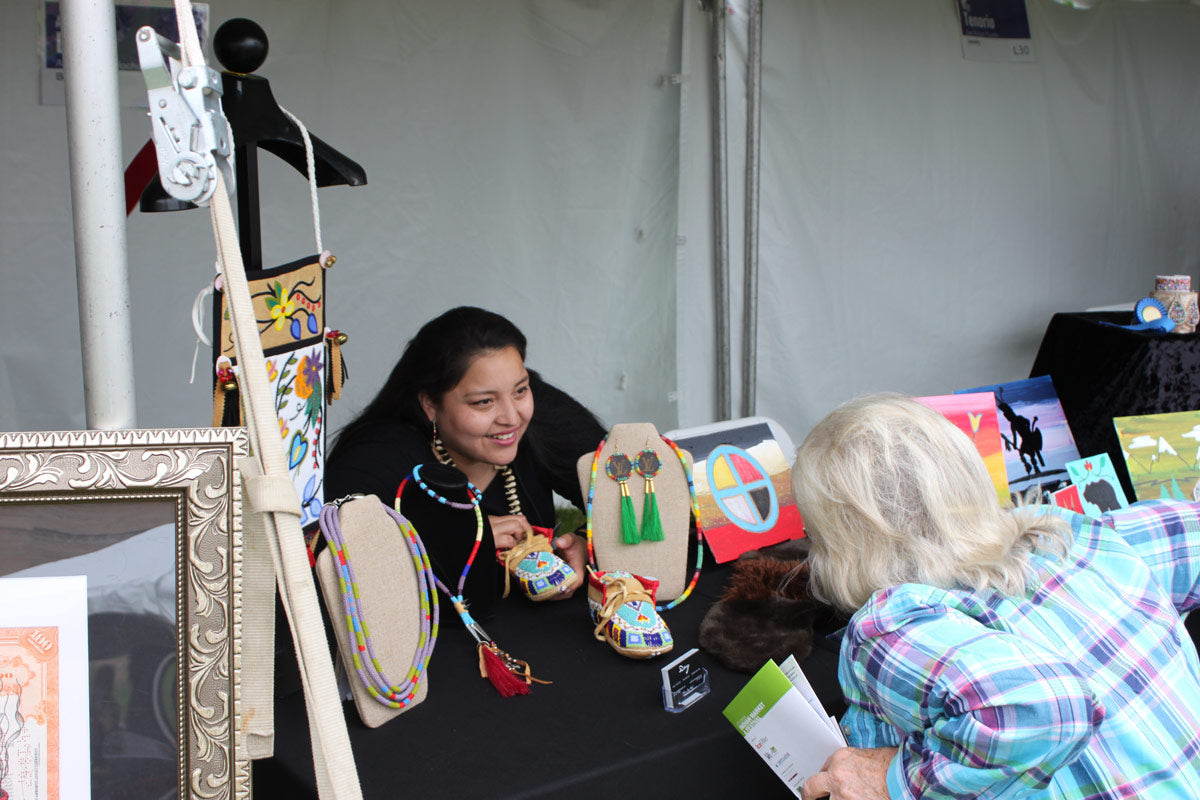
{"x": 368, "y": 669}
{"x": 687, "y": 471}
{"x": 510, "y": 675}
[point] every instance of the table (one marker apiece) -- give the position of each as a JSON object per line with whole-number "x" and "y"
{"x": 1101, "y": 372}
{"x": 599, "y": 731}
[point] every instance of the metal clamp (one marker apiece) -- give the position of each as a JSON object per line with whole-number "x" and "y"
{"x": 191, "y": 134}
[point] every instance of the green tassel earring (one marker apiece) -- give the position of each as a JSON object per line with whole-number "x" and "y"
{"x": 648, "y": 465}
{"x": 620, "y": 469}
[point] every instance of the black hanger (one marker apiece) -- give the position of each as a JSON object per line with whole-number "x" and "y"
{"x": 257, "y": 122}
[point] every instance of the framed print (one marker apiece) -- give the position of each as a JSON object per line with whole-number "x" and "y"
{"x": 44, "y": 688}
{"x": 151, "y": 521}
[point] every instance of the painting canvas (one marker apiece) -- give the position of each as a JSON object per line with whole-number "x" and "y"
{"x": 744, "y": 489}
{"x": 975, "y": 415}
{"x": 1099, "y": 487}
{"x": 1162, "y": 453}
{"x": 1033, "y": 429}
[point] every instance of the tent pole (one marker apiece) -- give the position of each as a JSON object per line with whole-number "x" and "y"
{"x": 89, "y": 44}
{"x": 750, "y": 293}
{"x": 721, "y": 212}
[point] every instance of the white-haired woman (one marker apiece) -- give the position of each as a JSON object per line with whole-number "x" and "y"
{"x": 995, "y": 653}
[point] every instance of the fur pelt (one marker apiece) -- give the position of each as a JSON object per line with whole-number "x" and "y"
{"x": 766, "y": 610}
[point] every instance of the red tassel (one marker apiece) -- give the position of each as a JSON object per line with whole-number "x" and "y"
{"x": 492, "y": 667}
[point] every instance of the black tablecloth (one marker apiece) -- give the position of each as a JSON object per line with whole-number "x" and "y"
{"x": 599, "y": 731}
{"x": 1101, "y": 372}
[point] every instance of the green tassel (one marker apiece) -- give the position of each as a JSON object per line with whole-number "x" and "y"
{"x": 652, "y": 530}
{"x": 629, "y": 528}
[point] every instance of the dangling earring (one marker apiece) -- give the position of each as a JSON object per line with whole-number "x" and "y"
{"x": 619, "y": 469}
{"x": 439, "y": 449}
{"x": 648, "y": 465}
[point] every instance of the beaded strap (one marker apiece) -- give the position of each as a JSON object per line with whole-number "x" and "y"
{"x": 687, "y": 471}
{"x": 370, "y": 672}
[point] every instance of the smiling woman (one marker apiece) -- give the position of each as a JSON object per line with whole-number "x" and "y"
{"x": 461, "y": 395}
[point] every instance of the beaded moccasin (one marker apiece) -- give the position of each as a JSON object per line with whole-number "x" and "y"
{"x": 540, "y": 573}
{"x": 621, "y": 605}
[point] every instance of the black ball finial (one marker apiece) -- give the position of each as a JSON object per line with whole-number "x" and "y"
{"x": 240, "y": 45}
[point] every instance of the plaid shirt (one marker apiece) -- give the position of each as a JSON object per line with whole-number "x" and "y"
{"x": 1086, "y": 687}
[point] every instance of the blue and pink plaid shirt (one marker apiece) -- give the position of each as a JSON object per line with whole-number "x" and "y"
{"x": 1086, "y": 687}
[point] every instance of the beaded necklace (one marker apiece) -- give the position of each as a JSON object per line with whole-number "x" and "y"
{"x": 508, "y": 674}
{"x": 687, "y": 471}
{"x": 510, "y": 478}
{"x": 370, "y": 671}
{"x": 473, "y": 494}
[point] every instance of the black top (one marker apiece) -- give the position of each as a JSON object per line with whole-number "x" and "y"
{"x": 379, "y": 457}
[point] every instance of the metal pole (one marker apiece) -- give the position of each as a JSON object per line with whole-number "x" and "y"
{"x": 750, "y": 294}
{"x": 89, "y": 43}
{"x": 721, "y": 212}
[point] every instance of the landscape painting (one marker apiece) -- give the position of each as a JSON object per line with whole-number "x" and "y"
{"x": 1162, "y": 453}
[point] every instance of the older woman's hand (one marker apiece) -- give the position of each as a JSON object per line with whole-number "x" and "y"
{"x": 851, "y": 774}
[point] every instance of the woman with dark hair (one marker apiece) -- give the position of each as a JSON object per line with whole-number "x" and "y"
{"x": 461, "y": 395}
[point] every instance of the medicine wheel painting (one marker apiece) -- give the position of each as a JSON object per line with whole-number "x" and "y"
{"x": 742, "y": 489}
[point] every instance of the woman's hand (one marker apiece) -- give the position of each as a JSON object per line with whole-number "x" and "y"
{"x": 509, "y": 529}
{"x": 851, "y": 774}
{"x": 572, "y": 549}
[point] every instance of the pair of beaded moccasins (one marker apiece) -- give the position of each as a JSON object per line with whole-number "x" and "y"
{"x": 621, "y": 604}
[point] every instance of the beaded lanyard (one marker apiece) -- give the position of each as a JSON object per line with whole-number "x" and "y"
{"x": 370, "y": 671}
{"x": 687, "y": 471}
{"x": 508, "y": 674}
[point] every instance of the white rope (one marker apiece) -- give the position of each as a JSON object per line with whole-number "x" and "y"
{"x": 333, "y": 760}
{"x": 198, "y": 326}
{"x": 311, "y": 163}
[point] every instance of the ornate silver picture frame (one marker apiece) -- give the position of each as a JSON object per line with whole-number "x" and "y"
{"x": 153, "y": 518}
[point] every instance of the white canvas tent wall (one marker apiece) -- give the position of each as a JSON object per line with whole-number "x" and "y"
{"x": 922, "y": 216}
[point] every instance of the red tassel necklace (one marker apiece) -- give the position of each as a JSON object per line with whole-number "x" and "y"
{"x": 510, "y": 675}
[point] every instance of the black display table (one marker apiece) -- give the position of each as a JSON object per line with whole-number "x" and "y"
{"x": 598, "y": 731}
{"x": 1101, "y": 372}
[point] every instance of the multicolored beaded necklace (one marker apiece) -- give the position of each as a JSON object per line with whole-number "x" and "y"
{"x": 508, "y": 674}
{"x": 687, "y": 471}
{"x": 370, "y": 672}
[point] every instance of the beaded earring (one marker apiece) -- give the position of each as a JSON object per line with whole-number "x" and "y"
{"x": 687, "y": 473}
{"x": 648, "y": 464}
{"x": 619, "y": 468}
